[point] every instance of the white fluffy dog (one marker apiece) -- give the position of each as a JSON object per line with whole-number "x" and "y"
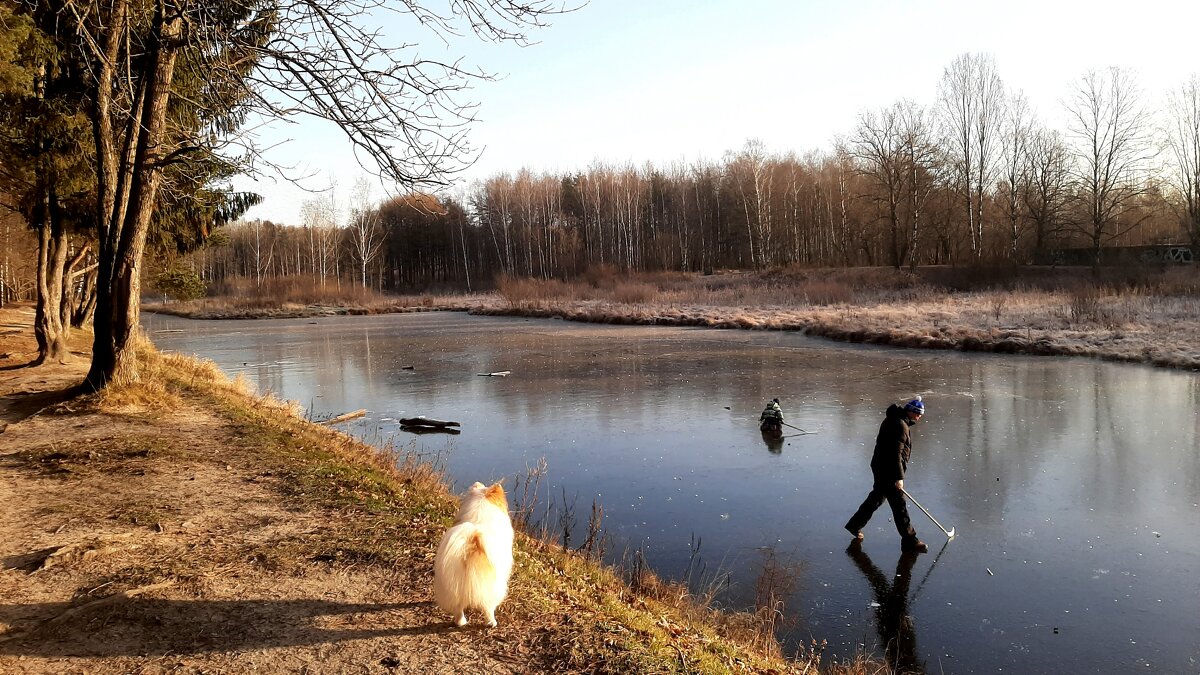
{"x": 475, "y": 559}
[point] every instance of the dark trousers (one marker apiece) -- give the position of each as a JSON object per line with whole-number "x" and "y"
{"x": 895, "y": 499}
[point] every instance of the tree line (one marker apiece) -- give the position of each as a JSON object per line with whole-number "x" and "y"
{"x": 974, "y": 178}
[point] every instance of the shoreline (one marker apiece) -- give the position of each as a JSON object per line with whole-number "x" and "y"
{"x": 1036, "y": 324}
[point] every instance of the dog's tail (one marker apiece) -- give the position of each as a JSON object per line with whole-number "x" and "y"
{"x": 478, "y": 566}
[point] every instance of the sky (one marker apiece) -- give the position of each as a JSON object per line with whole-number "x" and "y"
{"x": 663, "y": 81}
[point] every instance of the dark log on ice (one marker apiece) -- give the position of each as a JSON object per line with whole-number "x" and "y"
{"x": 429, "y": 430}
{"x": 422, "y": 421}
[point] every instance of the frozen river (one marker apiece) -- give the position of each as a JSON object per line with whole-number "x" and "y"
{"x": 1073, "y": 484}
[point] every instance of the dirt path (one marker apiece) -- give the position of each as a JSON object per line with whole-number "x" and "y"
{"x": 158, "y": 543}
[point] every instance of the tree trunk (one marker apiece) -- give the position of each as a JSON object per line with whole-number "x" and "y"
{"x": 119, "y": 291}
{"x": 49, "y": 329}
{"x": 86, "y": 305}
{"x": 67, "y": 305}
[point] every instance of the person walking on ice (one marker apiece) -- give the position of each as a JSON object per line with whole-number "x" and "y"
{"x": 893, "y": 446}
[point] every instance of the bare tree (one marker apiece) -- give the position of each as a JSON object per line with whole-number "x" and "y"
{"x": 320, "y": 217}
{"x": 875, "y": 145}
{"x": 494, "y": 205}
{"x": 1183, "y": 139}
{"x": 971, "y": 97}
{"x": 1045, "y": 185}
{"x": 1112, "y": 152}
{"x": 837, "y": 170}
{"x": 627, "y": 193}
{"x": 263, "y": 248}
{"x": 895, "y": 151}
{"x": 749, "y": 171}
{"x": 366, "y": 235}
{"x": 921, "y": 160}
{"x": 1014, "y": 154}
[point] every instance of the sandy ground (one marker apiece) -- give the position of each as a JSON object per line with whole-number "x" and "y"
{"x": 145, "y": 546}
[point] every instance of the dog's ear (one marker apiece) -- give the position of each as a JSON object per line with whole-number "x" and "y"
{"x": 495, "y": 494}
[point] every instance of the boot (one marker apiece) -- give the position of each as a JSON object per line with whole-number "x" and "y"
{"x": 914, "y": 546}
{"x": 857, "y": 534}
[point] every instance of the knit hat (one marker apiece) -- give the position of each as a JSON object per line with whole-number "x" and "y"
{"x": 915, "y": 406}
{"x": 775, "y": 400}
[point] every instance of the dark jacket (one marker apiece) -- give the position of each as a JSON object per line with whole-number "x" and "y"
{"x": 772, "y": 413}
{"x": 892, "y": 447}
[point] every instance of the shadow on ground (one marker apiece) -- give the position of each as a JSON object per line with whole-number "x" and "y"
{"x": 152, "y": 627}
{"x": 22, "y": 405}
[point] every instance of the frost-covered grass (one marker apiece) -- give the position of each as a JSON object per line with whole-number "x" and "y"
{"x": 1138, "y": 315}
{"x": 1154, "y": 318}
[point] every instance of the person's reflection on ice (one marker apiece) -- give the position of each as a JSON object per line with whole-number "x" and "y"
{"x": 895, "y": 626}
{"x": 774, "y": 443}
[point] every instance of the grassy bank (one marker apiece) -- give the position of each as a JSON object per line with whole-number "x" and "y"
{"x": 1142, "y": 315}
{"x": 186, "y": 524}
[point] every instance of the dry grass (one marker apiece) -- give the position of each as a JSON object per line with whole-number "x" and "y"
{"x": 303, "y": 290}
{"x": 796, "y": 288}
{"x": 326, "y": 453}
{"x": 266, "y": 308}
{"x": 1143, "y": 316}
{"x": 522, "y": 293}
{"x": 296, "y": 296}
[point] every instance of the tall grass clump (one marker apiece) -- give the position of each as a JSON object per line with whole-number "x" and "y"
{"x": 602, "y": 275}
{"x": 1180, "y": 281}
{"x": 634, "y": 293}
{"x": 826, "y": 292}
{"x": 526, "y": 293}
{"x": 1084, "y": 303}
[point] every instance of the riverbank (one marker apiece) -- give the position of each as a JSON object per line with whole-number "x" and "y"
{"x": 186, "y": 524}
{"x": 1143, "y": 316}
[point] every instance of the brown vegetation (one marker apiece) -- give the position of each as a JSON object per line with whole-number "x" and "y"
{"x": 1136, "y": 315}
{"x": 1151, "y": 318}
{"x": 286, "y": 297}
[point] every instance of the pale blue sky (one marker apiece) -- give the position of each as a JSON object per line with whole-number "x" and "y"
{"x": 666, "y": 80}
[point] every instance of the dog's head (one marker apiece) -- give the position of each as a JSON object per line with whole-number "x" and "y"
{"x": 493, "y": 493}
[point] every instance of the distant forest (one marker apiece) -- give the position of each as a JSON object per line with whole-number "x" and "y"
{"x": 973, "y": 179}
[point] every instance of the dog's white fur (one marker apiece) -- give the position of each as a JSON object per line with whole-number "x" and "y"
{"x": 474, "y": 559}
